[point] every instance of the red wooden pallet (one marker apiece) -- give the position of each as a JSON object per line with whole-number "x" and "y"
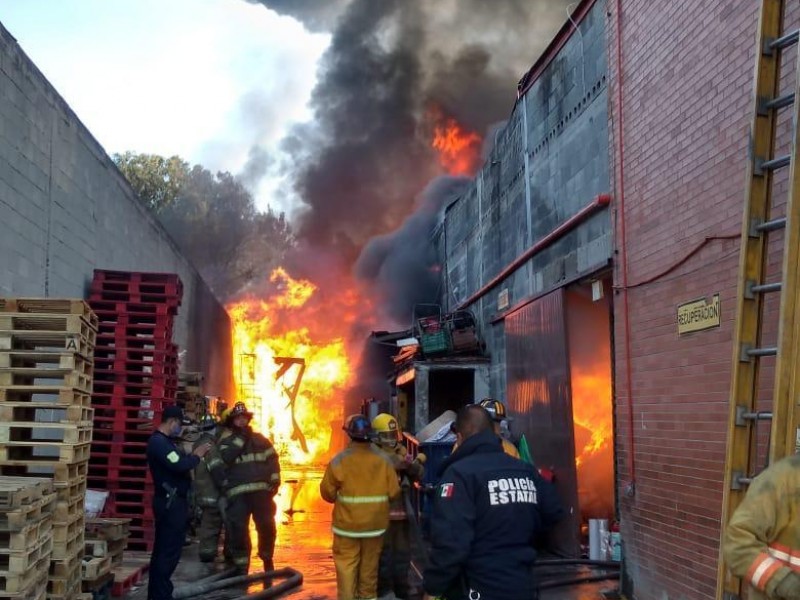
{"x": 143, "y": 287}
{"x": 135, "y": 298}
{"x": 132, "y": 308}
{"x": 137, "y": 330}
{"x": 122, "y": 586}
{"x": 121, "y": 401}
{"x": 108, "y": 275}
{"x": 167, "y": 356}
{"x": 109, "y": 461}
{"x": 135, "y": 366}
{"x": 158, "y": 390}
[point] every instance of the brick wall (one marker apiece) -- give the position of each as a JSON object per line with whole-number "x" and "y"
{"x": 687, "y": 71}
{"x": 66, "y": 210}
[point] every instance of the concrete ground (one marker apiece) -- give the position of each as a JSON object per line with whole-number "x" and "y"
{"x": 304, "y": 543}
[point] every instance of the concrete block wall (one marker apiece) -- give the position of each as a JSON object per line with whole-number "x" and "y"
{"x": 560, "y": 127}
{"x": 65, "y": 210}
{"x": 687, "y": 81}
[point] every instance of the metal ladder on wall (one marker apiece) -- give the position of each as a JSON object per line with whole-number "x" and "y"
{"x": 757, "y": 224}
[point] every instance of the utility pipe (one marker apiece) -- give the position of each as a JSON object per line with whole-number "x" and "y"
{"x": 631, "y": 489}
{"x": 599, "y": 202}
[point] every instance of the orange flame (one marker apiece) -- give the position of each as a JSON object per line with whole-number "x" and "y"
{"x": 264, "y": 329}
{"x": 459, "y": 149}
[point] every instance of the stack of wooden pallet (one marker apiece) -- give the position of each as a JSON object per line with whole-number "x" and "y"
{"x": 26, "y": 536}
{"x": 46, "y": 374}
{"x": 190, "y": 395}
{"x": 105, "y": 544}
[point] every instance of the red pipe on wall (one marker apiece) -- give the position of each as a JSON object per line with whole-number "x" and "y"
{"x": 631, "y": 489}
{"x": 599, "y": 202}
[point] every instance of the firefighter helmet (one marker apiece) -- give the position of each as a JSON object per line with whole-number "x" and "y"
{"x": 358, "y": 427}
{"x": 385, "y": 425}
{"x": 239, "y": 409}
{"x": 495, "y": 408}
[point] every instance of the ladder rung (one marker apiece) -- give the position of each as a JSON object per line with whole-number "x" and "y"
{"x": 768, "y": 226}
{"x": 751, "y": 289}
{"x": 785, "y": 41}
{"x": 749, "y": 352}
{"x": 739, "y": 480}
{"x": 743, "y": 416}
{"x": 762, "y": 165}
{"x": 781, "y": 101}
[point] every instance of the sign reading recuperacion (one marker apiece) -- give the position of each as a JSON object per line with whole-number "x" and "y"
{"x": 698, "y": 315}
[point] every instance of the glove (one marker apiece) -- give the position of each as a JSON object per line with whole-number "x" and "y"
{"x": 788, "y": 588}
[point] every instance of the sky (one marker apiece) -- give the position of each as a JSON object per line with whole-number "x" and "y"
{"x": 208, "y": 80}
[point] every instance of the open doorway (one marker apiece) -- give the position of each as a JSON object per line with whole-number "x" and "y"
{"x": 589, "y": 342}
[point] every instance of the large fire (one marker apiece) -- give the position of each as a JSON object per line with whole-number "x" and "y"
{"x": 459, "y": 149}
{"x": 292, "y": 323}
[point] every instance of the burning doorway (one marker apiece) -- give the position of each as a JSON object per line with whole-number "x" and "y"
{"x": 558, "y": 374}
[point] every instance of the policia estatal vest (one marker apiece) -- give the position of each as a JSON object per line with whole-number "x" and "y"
{"x": 249, "y": 475}
{"x": 172, "y": 477}
{"x": 487, "y": 512}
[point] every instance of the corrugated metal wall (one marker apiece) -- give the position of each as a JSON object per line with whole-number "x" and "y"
{"x": 538, "y": 382}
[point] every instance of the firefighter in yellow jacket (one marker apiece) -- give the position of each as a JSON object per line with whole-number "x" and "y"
{"x": 206, "y": 492}
{"x": 396, "y": 554}
{"x": 762, "y": 541}
{"x": 360, "y": 482}
{"x": 249, "y": 474}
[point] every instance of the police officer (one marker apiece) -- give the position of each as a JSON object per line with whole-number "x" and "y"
{"x": 172, "y": 477}
{"x": 249, "y": 473}
{"x": 488, "y": 509}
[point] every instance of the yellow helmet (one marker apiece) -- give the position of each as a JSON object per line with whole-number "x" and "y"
{"x": 225, "y": 414}
{"x": 495, "y": 408}
{"x": 385, "y": 425}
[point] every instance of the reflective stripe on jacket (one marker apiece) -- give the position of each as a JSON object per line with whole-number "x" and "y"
{"x": 247, "y": 462}
{"x": 760, "y": 543}
{"x": 360, "y": 482}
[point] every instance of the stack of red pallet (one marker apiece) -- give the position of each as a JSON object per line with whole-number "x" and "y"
{"x": 136, "y": 376}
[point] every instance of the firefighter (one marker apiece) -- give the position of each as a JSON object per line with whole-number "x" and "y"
{"x": 396, "y": 553}
{"x": 360, "y": 482}
{"x": 488, "y": 509}
{"x": 207, "y": 495}
{"x": 172, "y": 477}
{"x": 762, "y": 541}
{"x": 249, "y": 476}
{"x": 497, "y": 410}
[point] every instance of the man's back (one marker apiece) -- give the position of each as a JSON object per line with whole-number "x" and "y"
{"x": 489, "y": 509}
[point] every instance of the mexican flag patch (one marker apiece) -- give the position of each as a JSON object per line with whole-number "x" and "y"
{"x": 446, "y": 490}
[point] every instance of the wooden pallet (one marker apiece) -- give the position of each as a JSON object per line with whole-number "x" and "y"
{"x": 37, "y": 591}
{"x": 103, "y": 528}
{"x": 65, "y": 568}
{"x": 99, "y": 584}
{"x": 20, "y": 581}
{"x": 57, "y": 452}
{"x": 125, "y": 577}
{"x": 31, "y": 359}
{"x": 66, "y": 511}
{"x": 64, "y": 589}
{"x": 95, "y": 567}
{"x": 47, "y": 322}
{"x": 46, "y": 377}
{"x": 52, "y": 395}
{"x": 26, "y": 433}
{"x": 19, "y": 491}
{"x": 48, "y": 341}
{"x": 27, "y": 538}
{"x": 61, "y": 306}
{"x": 17, "y": 519}
{"x": 34, "y": 413}
{"x": 68, "y": 548}
{"x": 16, "y": 562}
{"x": 71, "y": 491}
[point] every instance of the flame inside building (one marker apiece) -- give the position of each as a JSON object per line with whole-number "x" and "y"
{"x": 289, "y": 324}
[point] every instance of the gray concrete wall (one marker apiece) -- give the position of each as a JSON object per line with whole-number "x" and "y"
{"x": 65, "y": 210}
{"x": 548, "y": 162}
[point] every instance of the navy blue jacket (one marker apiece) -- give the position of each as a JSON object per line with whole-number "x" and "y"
{"x": 169, "y": 465}
{"x": 488, "y": 510}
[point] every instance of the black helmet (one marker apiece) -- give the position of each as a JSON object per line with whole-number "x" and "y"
{"x": 358, "y": 427}
{"x": 238, "y": 409}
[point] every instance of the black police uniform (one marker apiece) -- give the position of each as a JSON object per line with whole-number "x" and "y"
{"x": 488, "y": 510}
{"x": 172, "y": 478}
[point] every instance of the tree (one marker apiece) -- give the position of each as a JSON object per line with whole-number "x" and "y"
{"x": 155, "y": 179}
{"x": 213, "y": 219}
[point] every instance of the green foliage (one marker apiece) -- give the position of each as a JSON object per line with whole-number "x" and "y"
{"x": 212, "y": 218}
{"x": 155, "y": 179}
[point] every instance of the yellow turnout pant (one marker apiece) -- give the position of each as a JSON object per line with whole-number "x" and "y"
{"x": 356, "y": 561}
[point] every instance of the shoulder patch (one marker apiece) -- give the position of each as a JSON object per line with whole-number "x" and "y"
{"x": 238, "y": 442}
{"x": 173, "y": 457}
{"x": 446, "y": 490}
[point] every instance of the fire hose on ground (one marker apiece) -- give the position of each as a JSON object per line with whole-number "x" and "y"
{"x": 219, "y": 581}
